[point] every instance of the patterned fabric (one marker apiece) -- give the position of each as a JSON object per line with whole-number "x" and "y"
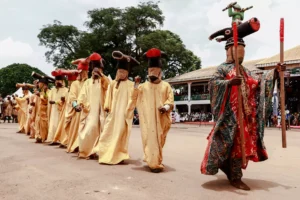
{"x": 224, "y": 139}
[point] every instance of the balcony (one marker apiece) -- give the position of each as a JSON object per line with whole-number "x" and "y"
{"x": 200, "y": 97}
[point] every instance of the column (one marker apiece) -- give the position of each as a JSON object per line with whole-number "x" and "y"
{"x": 189, "y": 91}
{"x": 189, "y": 108}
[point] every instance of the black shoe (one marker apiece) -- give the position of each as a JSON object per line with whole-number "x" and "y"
{"x": 156, "y": 170}
{"x": 240, "y": 185}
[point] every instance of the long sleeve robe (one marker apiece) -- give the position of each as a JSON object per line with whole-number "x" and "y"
{"x": 224, "y": 140}
{"x": 148, "y": 98}
{"x": 112, "y": 147}
{"x": 92, "y": 97}
{"x": 43, "y": 117}
{"x": 32, "y": 116}
{"x": 23, "y": 104}
{"x": 73, "y": 118}
{"x": 56, "y": 94}
{"x": 60, "y": 134}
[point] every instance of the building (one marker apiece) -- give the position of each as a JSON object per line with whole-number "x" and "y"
{"x": 191, "y": 89}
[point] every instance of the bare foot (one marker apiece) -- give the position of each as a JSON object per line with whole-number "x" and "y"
{"x": 239, "y": 184}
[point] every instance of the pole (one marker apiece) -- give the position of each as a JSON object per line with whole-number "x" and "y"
{"x": 240, "y": 111}
{"x": 282, "y": 92}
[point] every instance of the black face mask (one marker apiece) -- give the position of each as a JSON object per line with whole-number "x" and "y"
{"x": 153, "y": 78}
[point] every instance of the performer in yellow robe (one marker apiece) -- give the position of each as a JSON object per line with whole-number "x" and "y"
{"x": 73, "y": 117}
{"x": 23, "y": 103}
{"x": 60, "y": 135}
{"x": 91, "y": 104}
{"x": 42, "y": 133}
{"x": 56, "y": 95}
{"x": 112, "y": 147}
{"x": 154, "y": 101}
{"x": 32, "y": 111}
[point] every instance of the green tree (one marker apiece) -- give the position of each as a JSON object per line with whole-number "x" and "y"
{"x": 132, "y": 30}
{"x": 15, "y": 73}
{"x": 63, "y": 42}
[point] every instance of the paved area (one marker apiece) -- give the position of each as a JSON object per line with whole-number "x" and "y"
{"x": 30, "y": 171}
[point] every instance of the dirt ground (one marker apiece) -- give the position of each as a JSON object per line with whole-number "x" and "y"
{"x": 30, "y": 171}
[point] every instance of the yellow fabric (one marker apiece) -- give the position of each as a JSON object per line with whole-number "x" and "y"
{"x": 112, "y": 147}
{"x": 73, "y": 118}
{"x": 43, "y": 117}
{"x": 27, "y": 124}
{"x": 92, "y": 97}
{"x": 32, "y": 116}
{"x": 60, "y": 134}
{"x": 148, "y": 98}
{"x": 23, "y": 105}
{"x": 54, "y": 112}
{"x": 37, "y": 115}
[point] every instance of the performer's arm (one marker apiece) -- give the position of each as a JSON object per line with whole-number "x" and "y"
{"x": 134, "y": 97}
{"x": 230, "y": 12}
{"x": 108, "y": 99}
{"x": 169, "y": 103}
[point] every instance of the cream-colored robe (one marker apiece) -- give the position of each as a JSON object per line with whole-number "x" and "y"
{"x": 23, "y": 111}
{"x": 37, "y": 117}
{"x": 32, "y": 116}
{"x": 28, "y": 116}
{"x": 148, "y": 98}
{"x": 92, "y": 97}
{"x": 54, "y": 113}
{"x": 112, "y": 147}
{"x": 72, "y": 117}
{"x": 60, "y": 134}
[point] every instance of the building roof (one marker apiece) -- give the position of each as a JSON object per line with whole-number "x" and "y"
{"x": 291, "y": 56}
{"x": 207, "y": 72}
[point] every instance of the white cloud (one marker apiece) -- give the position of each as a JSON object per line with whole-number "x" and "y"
{"x": 14, "y": 49}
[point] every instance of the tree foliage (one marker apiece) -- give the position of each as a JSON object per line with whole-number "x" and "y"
{"x": 15, "y": 73}
{"x": 132, "y": 30}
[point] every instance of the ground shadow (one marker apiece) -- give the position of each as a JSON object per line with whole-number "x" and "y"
{"x": 221, "y": 184}
{"x": 147, "y": 169}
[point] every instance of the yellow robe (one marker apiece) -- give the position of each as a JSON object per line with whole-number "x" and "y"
{"x": 112, "y": 147}
{"x": 54, "y": 112}
{"x": 148, "y": 98}
{"x": 43, "y": 117}
{"x": 33, "y": 116}
{"x": 72, "y": 117}
{"x": 28, "y": 116}
{"x": 60, "y": 134}
{"x": 23, "y": 111}
{"x": 92, "y": 97}
{"x": 37, "y": 115}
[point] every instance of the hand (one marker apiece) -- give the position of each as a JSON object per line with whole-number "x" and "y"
{"x": 162, "y": 110}
{"x": 78, "y": 108}
{"x": 219, "y": 39}
{"x": 30, "y": 111}
{"x": 63, "y": 99}
{"x": 32, "y": 104}
{"x": 236, "y": 81}
{"x": 52, "y": 102}
{"x": 137, "y": 80}
{"x": 106, "y": 110}
{"x": 281, "y": 67}
{"x": 38, "y": 94}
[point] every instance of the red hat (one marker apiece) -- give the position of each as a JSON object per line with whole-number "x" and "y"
{"x": 152, "y": 53}
{"x": 82, "y": 66}
{"x": 72, "y": 77}
{"x": 95, "y": 57}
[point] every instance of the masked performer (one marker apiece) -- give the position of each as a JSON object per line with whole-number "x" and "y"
{"x": 154, "y": 101}
{"x": 112, "y": 147}
{"x": 91, "y": 104}
{"x": 60, "y": 134}
{"x": 8, "y": 108}
{"x": 32, "y": 110}
{"x": 224, "y": 142}
{"x": 56, "y": 98}
{"x": 42, "y": 131}
{"x": 73, "y": 117}
{"x": 23, "y": 104}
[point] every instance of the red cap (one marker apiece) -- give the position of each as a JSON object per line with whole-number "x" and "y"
{"x": 72, "y": 77}
{"x": 95, "y": 57}
{"x": 152, "y": 53}
{"x": 82, "y": 66}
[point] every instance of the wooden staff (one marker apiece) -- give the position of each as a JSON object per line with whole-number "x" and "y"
{"x": 282, "y": 93}
{"x": 240, "y": 108}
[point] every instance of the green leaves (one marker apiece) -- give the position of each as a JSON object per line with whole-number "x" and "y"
{"x": 15, "y": 73}
{"x": 132, "y": 30}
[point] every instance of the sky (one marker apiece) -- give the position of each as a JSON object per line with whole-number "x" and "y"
{"x": 192, "y": 20}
